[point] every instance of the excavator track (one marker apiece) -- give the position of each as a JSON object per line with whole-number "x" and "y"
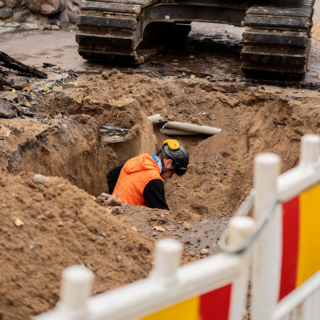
{"x": 111, "y": 32}
{"x": 277, "y": 37}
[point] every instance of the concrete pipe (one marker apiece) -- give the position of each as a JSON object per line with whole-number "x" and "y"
{"x": 191, "y": 128}
{"x": 173, "y": 132}
{"x": 155, "y": 118}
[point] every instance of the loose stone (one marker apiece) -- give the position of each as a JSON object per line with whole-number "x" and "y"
{"x": 32, "y": 26}
{"x": 6, "y": 13}
{"x": 41, "y": 179}
{"x": 204, "y": 252}
{"x": 12, "y": 25}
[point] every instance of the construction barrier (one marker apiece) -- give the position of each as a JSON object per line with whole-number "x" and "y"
{"x": 286, "y": 276}
{"x": 212, "y": 288}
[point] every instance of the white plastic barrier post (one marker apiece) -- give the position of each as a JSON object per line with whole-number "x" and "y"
{"x": 214, "y": 287}
{"x": 266, "y": 261}
{"x": 240, "y": 229}
{"x": 167, "y": 260}
{"x": 76, "y": 284}
{"x": 286, "y": 276}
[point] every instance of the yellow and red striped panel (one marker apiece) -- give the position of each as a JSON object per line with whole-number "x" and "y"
{"x": 214, "y": 305}
{"x": 300, "y": 240}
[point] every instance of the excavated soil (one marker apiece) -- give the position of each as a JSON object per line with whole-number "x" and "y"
{"x": 69, "y": 147}
{"x": 63, "y": 225}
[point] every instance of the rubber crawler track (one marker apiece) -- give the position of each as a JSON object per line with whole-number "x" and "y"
{"x": 108, "y": 32}
{"x": 277, "y": 37}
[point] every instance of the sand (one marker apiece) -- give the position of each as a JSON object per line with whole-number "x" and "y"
{"x": 62, "y": 223}
{"x": 220, "y": 171}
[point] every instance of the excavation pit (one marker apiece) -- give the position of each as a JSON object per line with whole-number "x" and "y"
{"x": 63, "y": 225}
{"x": 66, "y": 140}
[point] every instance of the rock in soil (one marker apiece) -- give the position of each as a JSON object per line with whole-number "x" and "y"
{"x": 41, "y": 179}
{"x": 114, "y": 201}
{"x": 204, "y": 252}
{"x": 116, "y": 210}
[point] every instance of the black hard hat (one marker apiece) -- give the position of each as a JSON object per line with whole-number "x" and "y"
{"x": 178, "y": 154}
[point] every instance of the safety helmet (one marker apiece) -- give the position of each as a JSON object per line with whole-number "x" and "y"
{"x": 178, "y": 154}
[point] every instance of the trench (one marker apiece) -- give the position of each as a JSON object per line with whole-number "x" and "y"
{"x": 67, "y": 140}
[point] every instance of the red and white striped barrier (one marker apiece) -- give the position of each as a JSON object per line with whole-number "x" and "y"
{"x": 212, "y": 288}
{"x": 286, "y": 269}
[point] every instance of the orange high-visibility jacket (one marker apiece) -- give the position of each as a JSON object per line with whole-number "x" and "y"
{"x": 134, "y": 176}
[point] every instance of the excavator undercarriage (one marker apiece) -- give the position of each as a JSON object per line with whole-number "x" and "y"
{"x": 276, "y": 37}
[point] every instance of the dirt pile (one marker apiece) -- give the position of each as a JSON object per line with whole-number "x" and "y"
{"x": 46, "y": 228}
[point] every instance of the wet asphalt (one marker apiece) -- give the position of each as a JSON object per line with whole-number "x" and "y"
{"x": 215, "y": 47}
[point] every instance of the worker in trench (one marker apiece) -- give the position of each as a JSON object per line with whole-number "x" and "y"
{"x": 140, "y": 180}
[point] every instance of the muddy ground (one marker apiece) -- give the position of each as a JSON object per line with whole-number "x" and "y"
{"x": 52, "y": 127}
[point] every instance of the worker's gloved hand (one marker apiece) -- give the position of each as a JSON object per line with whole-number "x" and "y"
{"x": 107, "y": 196}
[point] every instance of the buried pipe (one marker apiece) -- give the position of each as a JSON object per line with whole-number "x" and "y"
{"x": 194, "y": 128}
{"x": 179, "y": 128}
{"x": 174, "y": 132}
{"x": 156, "y": 118}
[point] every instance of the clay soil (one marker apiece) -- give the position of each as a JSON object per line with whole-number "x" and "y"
{"x": 64, "y": 225}
{"x": 220, "y": 171}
